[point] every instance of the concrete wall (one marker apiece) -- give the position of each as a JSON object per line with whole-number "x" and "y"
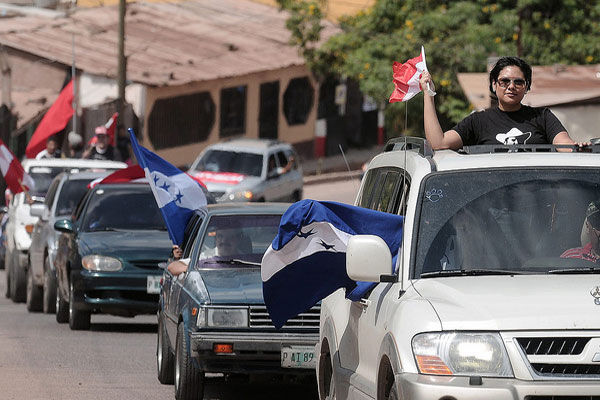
{"x": 300, "y": 135}
{"x": 581, "y": 121}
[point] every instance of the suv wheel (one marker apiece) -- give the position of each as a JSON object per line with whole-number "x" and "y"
{"x": 18, "y": 281}
{"x": 165, "y": 359}
{"x": 62, "y": 309}
{"x": 326, "y": 382}
{"x": 79, "y": 320}
{"x": 34, "y": 293}
{"x": 189, "y": 381}
{"x": 49, "y": 291}
{"x": 7, "y": 272}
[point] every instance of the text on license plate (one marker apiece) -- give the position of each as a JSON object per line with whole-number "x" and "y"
{"x": 153, "y": 284}
{"x": 298, "y": 357}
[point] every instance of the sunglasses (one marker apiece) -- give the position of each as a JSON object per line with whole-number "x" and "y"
{"x": 505, "y": 82}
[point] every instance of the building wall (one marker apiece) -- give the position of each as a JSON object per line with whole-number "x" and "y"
{"x": 301, "y": 136}
{"x": 580, "y": 121}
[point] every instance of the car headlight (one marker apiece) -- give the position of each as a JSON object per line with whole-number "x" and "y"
{"x": 461, "y": 353}
{"x": 101, "y": 263}
{"x": 244, "y": 195}
{"x": 222, "y": 318}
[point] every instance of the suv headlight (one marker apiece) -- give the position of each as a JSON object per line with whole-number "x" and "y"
{"x": 222, "y": 318}
{"x": 244, "y": 195}
{"x": 461, "y": 353}
{"x": 101, "y": 263}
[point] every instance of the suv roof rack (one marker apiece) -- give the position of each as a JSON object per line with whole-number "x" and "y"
{"x": 409, "y": 143}
{"x": 534, "y": 148}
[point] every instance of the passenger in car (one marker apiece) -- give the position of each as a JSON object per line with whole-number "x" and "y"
{"x": 589, "y": 251}
{"x": 508, "y": 123}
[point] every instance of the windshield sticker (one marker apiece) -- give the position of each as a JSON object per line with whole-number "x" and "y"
{"x": 434, "y": 195}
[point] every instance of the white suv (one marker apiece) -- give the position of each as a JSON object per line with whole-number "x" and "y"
{"x": 484, "y": 302}
{"x": 21, "y": 223}
{"x": 250, "y": 170}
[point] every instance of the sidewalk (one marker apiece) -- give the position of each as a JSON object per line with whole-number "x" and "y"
{"x": 336, "y": 167}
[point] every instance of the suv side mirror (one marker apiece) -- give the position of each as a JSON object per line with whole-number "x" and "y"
{"x": 37, "y": 210}
{"x": 64, "y": 225}
{"x": 368, "y": 258}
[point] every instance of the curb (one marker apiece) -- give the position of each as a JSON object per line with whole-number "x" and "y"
{"x": 332, "y": 176}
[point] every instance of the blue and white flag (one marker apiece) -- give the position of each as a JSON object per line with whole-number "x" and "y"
{"x": 306, "y": 261}
{"x": 177, "y": 194}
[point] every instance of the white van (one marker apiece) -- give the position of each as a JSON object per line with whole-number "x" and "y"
{"x": 495, "y": 292}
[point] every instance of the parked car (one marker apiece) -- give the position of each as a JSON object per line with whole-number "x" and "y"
{"x": 250, "y": 170}
{"x": 484, "y": 302}
{"x": 107, "y": 257}
{"x": 65, "y": 192}
{"x": 212, "y": 318}
{"x": 20, "y": 222}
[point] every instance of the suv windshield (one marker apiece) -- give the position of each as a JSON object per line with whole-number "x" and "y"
{"x": 231, "y": 161}
{"x": 237, "y": 240}
{"x": 43, "y": 176}
{"x": 504, "y": 220}
{"x": 127, "y": 208}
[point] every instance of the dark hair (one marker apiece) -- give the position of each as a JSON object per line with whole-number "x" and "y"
{"x": 504, "y": 62}
{"x": 53, "y": 139}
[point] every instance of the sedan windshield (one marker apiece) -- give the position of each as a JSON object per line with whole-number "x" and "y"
{"x": 237, "y": 240}
{"x": 231, "y": 161}
{"x": 521, "y": 221}
{"x": 127, "y": 208}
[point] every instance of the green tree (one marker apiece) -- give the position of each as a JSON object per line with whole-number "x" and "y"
{"x": 458, "y": 36}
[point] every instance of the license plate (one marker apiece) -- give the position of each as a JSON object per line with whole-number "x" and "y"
{"x": 153, "y": 284}
{"x": 298, "y": 357}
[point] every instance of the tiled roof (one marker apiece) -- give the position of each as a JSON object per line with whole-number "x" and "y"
{"x": 166, "y": 43}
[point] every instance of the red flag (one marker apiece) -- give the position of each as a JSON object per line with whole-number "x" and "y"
{"x": 111, "y": 127}
{"x": 17, "y": 180}
{"x": 129, "y": 174}
{"x": 406, "y": 78}
{"x": 54, "y": 121}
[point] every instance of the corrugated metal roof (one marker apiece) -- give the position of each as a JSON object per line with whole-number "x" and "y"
{"x": 166, "y": 44}
{"x": 552, "y": 85}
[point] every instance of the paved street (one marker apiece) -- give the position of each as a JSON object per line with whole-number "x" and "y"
{"x": 40, "y": 359}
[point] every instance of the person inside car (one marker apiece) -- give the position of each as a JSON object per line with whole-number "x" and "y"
{"x": 508, "y": 123}
{"x": 228, "y": 243}
{"x": 591, "y": 250}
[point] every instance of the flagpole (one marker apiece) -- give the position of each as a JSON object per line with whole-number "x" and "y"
{"x": 73, "y": 72}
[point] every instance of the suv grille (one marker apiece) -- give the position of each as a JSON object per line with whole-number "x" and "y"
{"x": 259, "y": 318}
{"x": 566, "y": 369}
{"x": 553, "y": 346}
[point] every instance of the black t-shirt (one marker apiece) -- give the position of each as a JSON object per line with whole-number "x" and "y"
{"x": 528, "y": 125}
{"x": 110, "y": 154}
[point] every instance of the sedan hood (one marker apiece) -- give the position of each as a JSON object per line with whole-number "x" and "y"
{"x": 521, "y": 302}
{"x": 127, "y": 245}
{"x": 233, "y": 285}
{"x": 244, "y": 183}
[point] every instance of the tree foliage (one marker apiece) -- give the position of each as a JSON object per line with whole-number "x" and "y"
{"x": 458, "y": 36}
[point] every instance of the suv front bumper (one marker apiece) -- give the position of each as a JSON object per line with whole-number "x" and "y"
{"x": 252, "y": 351}
{"x": 416, "y": 386}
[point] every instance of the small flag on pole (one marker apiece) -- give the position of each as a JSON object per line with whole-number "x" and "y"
{"x": 17, "y": 180}
{"x": 406, "y": 78}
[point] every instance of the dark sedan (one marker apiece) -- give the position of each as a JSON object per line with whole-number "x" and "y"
{"x": 107, "y": 257}
{"x": 212, "y": 318}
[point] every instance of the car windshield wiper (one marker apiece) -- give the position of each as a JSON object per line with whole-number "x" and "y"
{"x": 235, "y": 261}
{"x": 102, "y": 229}
{"x": 468, "y": 272}
{"x": 584, "y": 270}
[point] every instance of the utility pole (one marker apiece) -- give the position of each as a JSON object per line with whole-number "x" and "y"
{"x": 122, "y": 68}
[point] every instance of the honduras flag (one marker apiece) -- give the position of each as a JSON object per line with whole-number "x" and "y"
{"x": 177, "y": 194}
{"x": 306, "y": 261}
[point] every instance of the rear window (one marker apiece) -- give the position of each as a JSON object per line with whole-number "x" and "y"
{"x": 127, "y": 208}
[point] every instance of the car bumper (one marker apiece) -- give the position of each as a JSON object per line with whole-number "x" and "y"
{"x": 415, "y": 386}
{"x": 113, "y": 293}
{"x": 252, "y": 351}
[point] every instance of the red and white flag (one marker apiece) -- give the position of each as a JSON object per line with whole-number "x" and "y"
{"x": 133, "y": 173}
{"x": 406, "y": 78}
{"x": 17, "y": 180}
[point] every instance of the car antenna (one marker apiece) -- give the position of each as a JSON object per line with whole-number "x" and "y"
{"x": 347, "y": 165}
